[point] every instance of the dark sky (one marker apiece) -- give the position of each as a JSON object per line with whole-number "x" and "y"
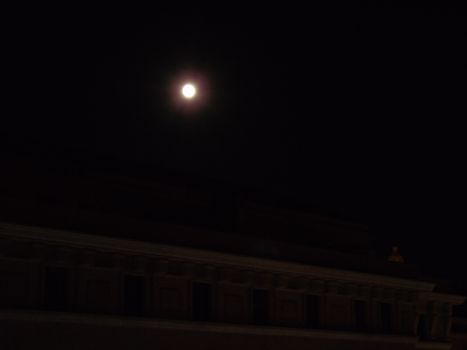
{"x": 355, "y": 106}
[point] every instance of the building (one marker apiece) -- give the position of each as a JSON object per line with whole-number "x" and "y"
{"x": 127, "y": 282}
{"x": 459, "y": 333}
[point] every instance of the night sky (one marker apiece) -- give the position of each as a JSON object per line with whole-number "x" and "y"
{"x": 355, "y": 107}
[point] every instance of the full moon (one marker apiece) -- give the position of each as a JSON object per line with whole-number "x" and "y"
{"x": 188, "y": 91}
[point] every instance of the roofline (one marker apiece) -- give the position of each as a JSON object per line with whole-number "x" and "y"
{"x": 81, "y": 240}
{"x": 445, "y": 297}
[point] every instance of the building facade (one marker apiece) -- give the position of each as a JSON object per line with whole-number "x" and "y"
{"x": 459, "y": 333}
{"x": 65, "y": 289}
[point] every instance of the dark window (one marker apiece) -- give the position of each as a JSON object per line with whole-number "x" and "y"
{"x": 56, "y": 288}
{"x": 202, "y": 301}
{"x": 134, "y": 295}
{"x": 313, "y": 311}
{"x": 422, "y": 329}
{"x": 386, "y": 317}
{"x": 260, "y": 306}
{"x": 360, "y": 316}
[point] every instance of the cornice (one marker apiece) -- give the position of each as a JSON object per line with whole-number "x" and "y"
{"x": 445, "y": 298}
{"x": 80, "y": 240}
